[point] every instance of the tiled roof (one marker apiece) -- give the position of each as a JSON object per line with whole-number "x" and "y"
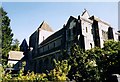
{"x": 45, "y": 26}
{"x": 15, "y": 55}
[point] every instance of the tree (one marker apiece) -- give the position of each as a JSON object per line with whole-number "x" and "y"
{"x": 15, "y": 45}
{"x": 96, "y": 64}
{"x": 6, "y": 35}
{"x": 111, "y": 59}
{"x": 83, "y": 64}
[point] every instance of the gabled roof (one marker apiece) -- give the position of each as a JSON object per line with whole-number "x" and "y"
{"x": 45, "y": 26}
{"x": 24, "y": 43}
{"x": 85, "y": 14}
{"x": 15, "y": 55}
{"x": 24, "y": 46}
{"x": 71, "y": 18}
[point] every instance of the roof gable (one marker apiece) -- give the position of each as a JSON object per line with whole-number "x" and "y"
{"x": 85, "y": 14}
{"x": 71, "y": 19}
{"x": 45, "y": 26}
{"x": 24, "y": 43}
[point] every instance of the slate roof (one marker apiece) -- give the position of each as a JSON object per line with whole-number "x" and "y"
{"x": 45, "y": 26}
{"x": 15, "y": 55}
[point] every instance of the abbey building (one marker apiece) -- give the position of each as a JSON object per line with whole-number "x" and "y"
{"x": 85, "y": 30}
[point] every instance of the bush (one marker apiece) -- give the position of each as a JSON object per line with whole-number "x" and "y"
{"x": 58, "y": 73}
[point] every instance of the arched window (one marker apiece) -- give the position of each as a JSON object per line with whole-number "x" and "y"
{"x": 91, "y": 45}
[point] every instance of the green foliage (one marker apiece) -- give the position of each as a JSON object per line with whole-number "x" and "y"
{"x": 111, "y": 58}
{"x": 95, "y": 64}
{"x": 6, "y": 35}
{"x": 1, "y": 72}
{"x": 15, "y": 45}
{"x": 84, "y": 67}
{"x": 21, "y": 76}
{"x": 60, "y": 72}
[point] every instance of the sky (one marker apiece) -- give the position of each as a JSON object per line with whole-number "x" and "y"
{"x": 27, "y": 16}
{"x": 59, "y": 0}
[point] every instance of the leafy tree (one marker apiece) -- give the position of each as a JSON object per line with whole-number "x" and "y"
{"x": 111, "y": 59}
{"x": 83, "y": 64}
{"x": 96, "y": 64}
{"x": 6, "y": 35}
{"x": 15, "y": 45}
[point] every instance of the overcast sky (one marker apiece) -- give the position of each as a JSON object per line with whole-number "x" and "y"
{"x": 27, "y": 16}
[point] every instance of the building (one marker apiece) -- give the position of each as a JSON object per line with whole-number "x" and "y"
{"x": 45, "y": 45}
{"x": 16, "y": 58}
{"x": 15, "y": 61}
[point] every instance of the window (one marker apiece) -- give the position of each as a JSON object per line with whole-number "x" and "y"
{"x": 43, "y": 38}
{"x": 86, "y": 30}
{"x": 43, "y": 48}
{"x": 48, "y": 47}
{"x": 91, "y": 45}
{"x": 54, "y": 44}
{"x": 69, "y": 33}
{"x": 104, "y": 35}
{"x": 91, "y": 31}
{"x": 61, "y": 41}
